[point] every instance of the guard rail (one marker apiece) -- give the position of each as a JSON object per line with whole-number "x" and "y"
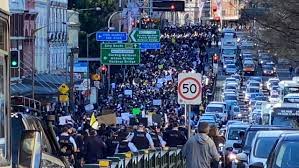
{"x": 158, "y": 158}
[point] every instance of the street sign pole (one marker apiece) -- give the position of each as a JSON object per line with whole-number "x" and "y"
{"x": 189, "y": 93}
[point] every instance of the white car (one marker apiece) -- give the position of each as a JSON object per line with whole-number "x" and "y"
{"x": 270, "y": 81}
{"x": 232, "y": 134}
{"x": 263, "y": 143}
{"x": 217, "y": 108}
{"x": 274, "y": 98}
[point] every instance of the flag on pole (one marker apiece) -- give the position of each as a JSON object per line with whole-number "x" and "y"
{"x": 93, "y": 122}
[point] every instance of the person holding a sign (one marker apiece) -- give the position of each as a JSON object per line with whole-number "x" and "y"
{"x": 141, "y": 139}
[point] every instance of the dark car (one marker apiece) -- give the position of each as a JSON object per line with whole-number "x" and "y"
{"x": 284, "y": 153}
{"x": 253, "y": 129}
{"x": 268, "y": 69}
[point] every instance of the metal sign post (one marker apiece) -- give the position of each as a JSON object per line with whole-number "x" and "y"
{"x": 189, "y": 93}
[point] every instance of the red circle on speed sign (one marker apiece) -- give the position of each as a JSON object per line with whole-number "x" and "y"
{"x": 195, "y": 81}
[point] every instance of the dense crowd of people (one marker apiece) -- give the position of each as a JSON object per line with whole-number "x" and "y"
{"x": 183, "y": 49}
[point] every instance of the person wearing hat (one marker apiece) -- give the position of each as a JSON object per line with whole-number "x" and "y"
{"x": 200, "y": 150}
{"x": 141, "y": 139}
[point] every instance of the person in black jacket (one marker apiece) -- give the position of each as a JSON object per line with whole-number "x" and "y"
{"x": 94, "y": 147}
{"x": 175, "y": 137}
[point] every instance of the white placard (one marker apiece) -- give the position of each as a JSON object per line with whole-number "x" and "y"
{"x": 157, "y": 102}
{"x": 65, "y": 120}
{"x": 128, "y": 93}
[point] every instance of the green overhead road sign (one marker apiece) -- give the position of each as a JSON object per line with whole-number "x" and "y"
{"x": 145, "y": 35}
{"x": 120, "y": 53}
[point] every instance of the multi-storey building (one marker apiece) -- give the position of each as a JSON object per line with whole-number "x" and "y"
{"x": 41, "y": 37}
{"x": 57, "y": 36}
{"x": 22, "y": 28}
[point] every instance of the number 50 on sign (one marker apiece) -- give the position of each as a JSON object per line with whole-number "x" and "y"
{"x": 189, "y": 88}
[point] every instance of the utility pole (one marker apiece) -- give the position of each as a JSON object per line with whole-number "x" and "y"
{"x": 74, "y": 53}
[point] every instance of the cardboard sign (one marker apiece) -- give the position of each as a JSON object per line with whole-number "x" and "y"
{"x": 107, "y": 111}
{"x": 136, "y": 111}
{"x": 157, "y": 102}
{"x": 108, "y": 119}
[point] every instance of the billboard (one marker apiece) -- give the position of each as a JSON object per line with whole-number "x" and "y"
{"x": 225, "y": 9}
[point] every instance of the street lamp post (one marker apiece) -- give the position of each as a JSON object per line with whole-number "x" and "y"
{"x": 109, "y": 28}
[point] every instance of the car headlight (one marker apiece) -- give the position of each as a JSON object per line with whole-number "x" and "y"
{"x": 272, "y": 71}
{"x": 265, "y": 71}
{"x": 232, "y": 156}
{"x": 239, "y": 115}
{"x": 224, "y": 66}
{"x": 262, "y": 62}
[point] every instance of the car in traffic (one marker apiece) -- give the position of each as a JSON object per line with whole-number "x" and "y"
{"x": 270, "y": 81}
{"x": 268, "y": 70}
{"x": 256, "y": 78}
{"x": 274, "y": 98}
{"x": 284, "y": 153}
{"x": 254, "y": 84}
{"x": 249, "y": 68}
{"x": 231, "y": 69}
{"x": 265, "y": 60}
{"x": 230, "y": 100}
{"x": 251, "y": 132}
{"x": 262, "y": 144}
{"x": 227, "y": 62}
{"x": 217, "y": 108}
{"x": 251, "y": 90}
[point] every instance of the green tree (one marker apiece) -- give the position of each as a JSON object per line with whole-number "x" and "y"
{"x": 92, "y": 21}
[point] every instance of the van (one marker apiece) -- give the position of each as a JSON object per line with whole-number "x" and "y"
{"x": 45, "y": 151}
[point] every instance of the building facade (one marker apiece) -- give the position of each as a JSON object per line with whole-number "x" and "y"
{"x": 41, "y": 37}
{"x": 22, "y": 31}
{"x": 57, "y": 36}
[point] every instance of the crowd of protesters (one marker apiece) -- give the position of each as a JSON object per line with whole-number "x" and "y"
{"x": 183, "y": 49}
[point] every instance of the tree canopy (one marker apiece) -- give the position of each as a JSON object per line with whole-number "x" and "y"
{"x": 92, "y": 21}
{"x": 277, "y": 28}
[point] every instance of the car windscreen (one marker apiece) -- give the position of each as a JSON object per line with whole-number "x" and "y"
{"x": 233, "y": 133}
{"x": 289, "y": 121}
{"x": 254, "y": 90}
{"x": 261, "y": 98}
{"x": 214, "y": 109}
{"x": 248, "y": 141}
{"x": 263, "y": 146}
{"x": 231, "y": 66}
{"x": 230, "y": 97}
{"x": 228, "y": 52}
{"x": 254, "y": 84}
{"x": 287, "y": 155}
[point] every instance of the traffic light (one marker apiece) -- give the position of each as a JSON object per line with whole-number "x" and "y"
{"x": 169, "y": 6}
{"x": 103, "y": 69}
{"x": 14, "y": 59}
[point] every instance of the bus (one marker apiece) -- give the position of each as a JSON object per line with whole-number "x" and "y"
{"x": 5, "y": 150}
{"x": 287, "y": 87}
{"x": 284, "y": 114}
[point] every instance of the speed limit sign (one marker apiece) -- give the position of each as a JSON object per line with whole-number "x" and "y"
{"x": 189, "y": 88}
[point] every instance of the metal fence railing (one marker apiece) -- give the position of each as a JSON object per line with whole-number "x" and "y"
{"x": 158, "y": 158}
